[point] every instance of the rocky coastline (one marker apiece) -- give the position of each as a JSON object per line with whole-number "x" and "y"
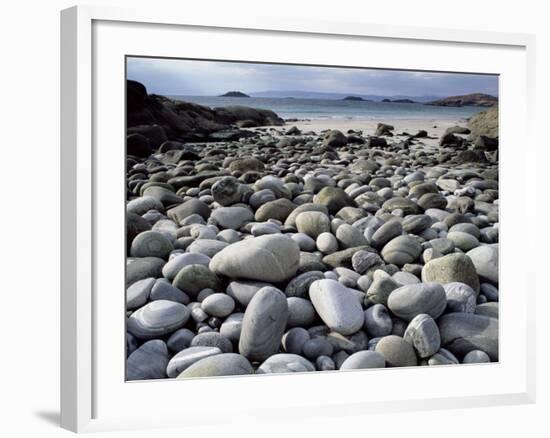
{"x": 256, "y": 247}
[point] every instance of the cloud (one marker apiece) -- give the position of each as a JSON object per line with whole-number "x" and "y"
{"x": 199, "y": 77}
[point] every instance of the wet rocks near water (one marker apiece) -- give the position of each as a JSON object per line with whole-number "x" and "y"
{"x": 281, "y": 251}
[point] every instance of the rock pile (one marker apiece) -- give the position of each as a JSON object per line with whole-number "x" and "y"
{"x": 276, "y": 253}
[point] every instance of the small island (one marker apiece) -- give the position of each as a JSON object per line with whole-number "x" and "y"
{"x": 354, "y": 98}
{"x": 234, "y": 94}
{"x": 398, "y": 101}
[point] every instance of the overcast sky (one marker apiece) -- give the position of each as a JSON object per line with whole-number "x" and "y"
{"x": 208, "y": 78}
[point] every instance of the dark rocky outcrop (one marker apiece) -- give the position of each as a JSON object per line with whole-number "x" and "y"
{"x": 485, "y": 124}
{"x": 474, "y": 99}
{"x": 158, "y": 118}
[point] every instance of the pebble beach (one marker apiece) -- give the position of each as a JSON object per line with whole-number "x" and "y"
{"x": 271, "y": 246}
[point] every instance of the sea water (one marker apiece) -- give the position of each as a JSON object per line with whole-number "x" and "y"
{"x": 298, "y": 108}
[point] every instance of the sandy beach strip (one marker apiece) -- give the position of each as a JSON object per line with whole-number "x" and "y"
{"x": 434, "y": 127}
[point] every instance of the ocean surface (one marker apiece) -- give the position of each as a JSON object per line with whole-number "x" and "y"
{"x": 290, "y": 108}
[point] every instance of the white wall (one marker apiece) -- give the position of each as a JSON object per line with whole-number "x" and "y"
{"x": 29, "y": 199}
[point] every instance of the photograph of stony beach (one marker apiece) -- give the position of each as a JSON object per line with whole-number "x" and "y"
{"x": 288, "y": 218}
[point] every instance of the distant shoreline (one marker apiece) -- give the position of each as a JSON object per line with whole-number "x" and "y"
{"x": 334, "y": 109}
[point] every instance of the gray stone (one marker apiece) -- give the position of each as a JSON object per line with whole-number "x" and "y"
{"x": 143, "y": 204}
{"x": 261, "y": 197}
{"x": 378, "y": 322}
{"x": 363, "y": 360}
{"x": 291, "y": 219}
{"x": 396, "y": 351}
{"x": 278, "y": 209}
{"x": 432, "y": 200}
{"x": 403, "y": 278}
{"x": 423, "y": 334}
{"x": 263, "y": 324}
{"x": 451, "y": 268}
{"x": 460, "y": 297}
{"x": 151, "y": 244}
{"x": 305, "y": 242}
{"x": 312, "y": 223}
{"x": 228, "y": 190}
{"x": 351, "y": 214}
{"x": 325, "y": 363}
{"x": 218, "y": 304}
{"x": 335, "y": 138}
{"x": 401, "y": 250}
{"x": 193, "y": 278}
{"x": 430, "y": 254}
{"x": 148, "y": 361}
{"x": 489, "y": 291}
{"x": 362, "y": 261}
{"x": 485, "y": 260}
{"x": 463, "y": 241}
{"x": 188, "y": 208}
{"x": 272, "y": 258}
{"x": 131, "y": 344}
{"x": 404, "y": 204}
{"x": 467, "y": 228}
{"x": 180, "y": 340}
{"x": 310, "y": 261}
{"x": 207, "y": 247}
{"x": 350, "y": 344}
{"x": 293, "y": 341}
{"x": 408, "y": 301}
{"x": 364, "y": 282}
{"x": 301, "y": 312}
{"x": 163, "y": 290}
{"x": 416, "y": 223}
{"x": 138, "y": 293}
{"x": 487, "y": 309}
{"x": 227, "y": 364}
{"x": 177, "y": 263}
{"x": 380, "y": 289}
{"x": 343, "y": 257}
{"x": 385, "y": 233}
{"x": 443, "y": 357}
{"x": 464, "y": 332}
{"x": 326, "y": 243}
{"x": 157, "y": 319}
{"x": 285, "y": 363}
{"x": 188, "y": 357}
{"x": 348, "y": 236}
{"x": 316, "y": 347}
{"x": 228, "y": 236}
{"x": 476, "y": 356}
{"x": 242, "y": 291}
{"x": 246, "y": 164}
{"x": 334, "y": 198}
{"x": 337, "y": 306}
{"x": 212, "y": 339}
{"x": 442, "y": 245}
{"x": 232, "y": 217}
{"x": 231, "y": 327}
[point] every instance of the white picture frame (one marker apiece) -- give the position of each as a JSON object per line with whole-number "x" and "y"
{"x": 93, "y": 398}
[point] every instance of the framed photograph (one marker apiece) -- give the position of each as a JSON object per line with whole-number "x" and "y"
{"x": 295, "y": 218}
